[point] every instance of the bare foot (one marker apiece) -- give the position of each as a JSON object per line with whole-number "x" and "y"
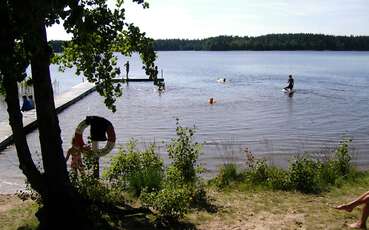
{"x": 344, "y": 207}
{"x": 357, "y": 225}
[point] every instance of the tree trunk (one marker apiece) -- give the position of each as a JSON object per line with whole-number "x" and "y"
{"x": 10, "y": 74}
{"x": 63, "y": 207}
{"x": 26, "y": 163}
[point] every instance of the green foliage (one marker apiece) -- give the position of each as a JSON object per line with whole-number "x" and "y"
{"x": 258, "y": 172}
{"x": 228, "y": 173}
{"x": 91, "y": 187}
{"x": 278, "y": 179}
{"x": 304, "y": 173}
{"x": 171, "y": 192}
{"x": 181, "y": 185}
{"x": 184, "y": 153}
{"x": 98, "y": 32}
{"x": 135, "y": 170}
{"x": 171, "y": 202}
{"x": 342, "y": 161}
{"x": 57, "y": 45}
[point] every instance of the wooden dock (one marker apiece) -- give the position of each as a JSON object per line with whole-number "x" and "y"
{"x": 62, "y": 102}
{"x": 137, "y": 80}
{"x": 30, "y": 119}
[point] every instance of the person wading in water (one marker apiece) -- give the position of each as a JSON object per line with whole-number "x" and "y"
{"x": 290, "y": 83}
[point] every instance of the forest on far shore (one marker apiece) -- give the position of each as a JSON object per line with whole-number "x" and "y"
{"x": 265, "y": 42}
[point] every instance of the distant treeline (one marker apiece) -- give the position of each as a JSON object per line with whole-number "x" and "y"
{"x": 266, "y": 42}
{"x": 269, "y": 42}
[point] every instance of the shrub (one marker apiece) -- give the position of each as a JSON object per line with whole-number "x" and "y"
{"x": 342, "y": 161}
{"x": 184, "y": 153}
{"x": 134, "y": 170}
{"x": 181, "y": 186}
{"x": 228, "y": 173}
{"x": 303, "y": 175}
{"x": 171, "y": 202}
{"x": 278, "y": 179}
{"x": 258, "y": 171}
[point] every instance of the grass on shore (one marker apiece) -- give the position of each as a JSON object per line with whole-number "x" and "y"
{"x": 239, "y": 207}
{"x": 17, "y": 214}
{"x": 243, "y": 208}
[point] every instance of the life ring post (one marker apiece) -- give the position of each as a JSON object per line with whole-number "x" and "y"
{"x": 100, "y": 127}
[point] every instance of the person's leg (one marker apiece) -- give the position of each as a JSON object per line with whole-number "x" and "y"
{"x": 364, "y": 198}
{"x": 361, "y": 224}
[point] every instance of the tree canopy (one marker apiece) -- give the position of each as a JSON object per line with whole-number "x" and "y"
{"x": 97, "y": 32}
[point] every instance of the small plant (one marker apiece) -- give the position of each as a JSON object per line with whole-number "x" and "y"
{"x": 303, "y": 175}
{"x": 184, "y": 153}
{"x": 228, "y": 173}
{"x": 342, "y": 161}
{"x": 278, "y": 179}
{"x": 171, "y": 202}
{"x": 258, "y": 173}
{"x": 181, "y": 186}
{"x": 134, "y": 170}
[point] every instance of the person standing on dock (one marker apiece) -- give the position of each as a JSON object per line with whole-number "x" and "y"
{"x": 127, "y": 69}
{"x": 156, "y": 72}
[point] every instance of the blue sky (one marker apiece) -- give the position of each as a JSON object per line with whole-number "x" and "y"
{"x": 205, "y": 18}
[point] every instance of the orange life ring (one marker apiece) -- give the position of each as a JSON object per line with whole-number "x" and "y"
{"x": 79, "y": 143}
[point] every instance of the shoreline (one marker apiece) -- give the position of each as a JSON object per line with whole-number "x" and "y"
{"x": 237, "y": 208}
{"x": 281, "y": 161}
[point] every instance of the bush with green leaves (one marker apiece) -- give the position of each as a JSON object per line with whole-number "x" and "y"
{"x": 184, "y": 153}
{"x": 258, "y": 172}
{"x": 181, "y": 186}
{"x": 228, "y": 173}
{"x": 93, "y": 188}
{"x": 171, "y": 202}
{"x": 342, "y": 160}
{"x": 304, "y": 173}
{"x": 133, "y": 170}
{"x": 278, "y": 179}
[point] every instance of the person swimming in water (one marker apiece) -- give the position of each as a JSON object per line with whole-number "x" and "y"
{"x": 290, "y": 83}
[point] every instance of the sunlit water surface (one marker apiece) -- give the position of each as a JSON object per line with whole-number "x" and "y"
{"x": 331, "y": 103}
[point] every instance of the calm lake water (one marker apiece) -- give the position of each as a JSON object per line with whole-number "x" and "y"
{"x": 331, "y": 103}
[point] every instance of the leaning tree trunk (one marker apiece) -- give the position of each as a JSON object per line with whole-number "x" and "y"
{"x": 26, "y": 163}
{"x": 62, "y": 208}
{"x": 62, "y": 204}
{"x": 10, "y": 70}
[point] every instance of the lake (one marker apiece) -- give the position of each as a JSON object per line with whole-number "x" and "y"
{"x": 331, "y": 103}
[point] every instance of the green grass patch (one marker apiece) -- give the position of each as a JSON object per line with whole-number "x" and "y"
{"x": 304, "y": 174}
{"x": 20, "y": 216}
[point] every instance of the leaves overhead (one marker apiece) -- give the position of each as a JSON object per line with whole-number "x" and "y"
{"x": 97, "y": 32}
